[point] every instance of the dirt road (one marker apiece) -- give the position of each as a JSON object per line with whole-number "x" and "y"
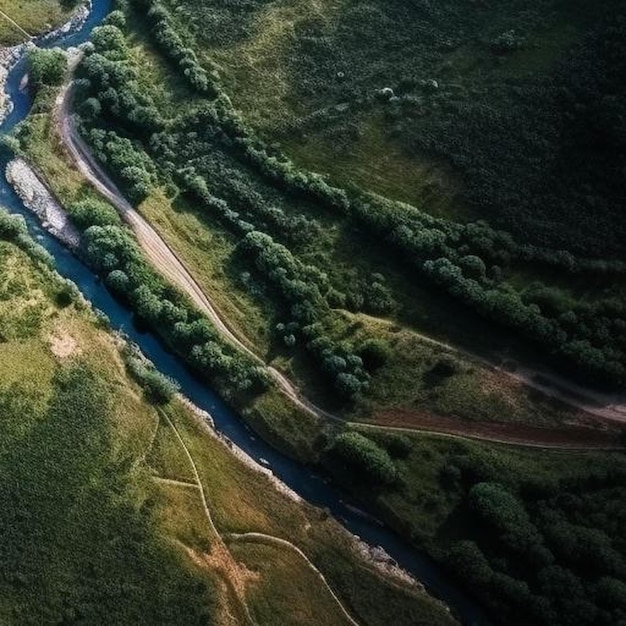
{"x": 158, "y": 252}
{"x": 167, "y": 263}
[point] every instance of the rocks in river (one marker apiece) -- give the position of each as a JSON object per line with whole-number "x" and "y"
{"x": 36, "y": 197}
{"x": 8, "y": 58}
{"x": 74, "y": 24}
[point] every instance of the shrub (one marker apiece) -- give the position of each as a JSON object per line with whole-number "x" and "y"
{"x": 158, "y": 387}
{"x": 365, "y": 457}
{"x": 46, "y": 67}
{"x": 374, "y": 353}
{"x": 93, "y": 213}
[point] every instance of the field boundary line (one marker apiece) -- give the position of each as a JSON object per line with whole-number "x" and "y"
{"x": 12, "y": 21}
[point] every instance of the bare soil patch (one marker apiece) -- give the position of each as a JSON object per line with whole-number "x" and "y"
{"x": 63, "y": 345}
{"x": 582, "y": 434}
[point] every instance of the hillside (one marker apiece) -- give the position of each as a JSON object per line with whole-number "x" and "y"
{"x": 390, "y": 237}
{"x": 118, "y": 508}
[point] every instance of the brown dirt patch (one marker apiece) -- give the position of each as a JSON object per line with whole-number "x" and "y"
{"x": 63, "y": 345}
{"x": 568, "y": 436}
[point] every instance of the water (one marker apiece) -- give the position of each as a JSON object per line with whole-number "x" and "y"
{"x": 298, "y": 477}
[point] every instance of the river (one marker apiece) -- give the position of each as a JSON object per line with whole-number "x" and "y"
{"x": 297, "y": 476}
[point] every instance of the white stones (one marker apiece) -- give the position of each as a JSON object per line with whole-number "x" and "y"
{"x": 36, "y": 197}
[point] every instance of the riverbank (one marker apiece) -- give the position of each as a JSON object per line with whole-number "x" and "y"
{"x": 375, "y": 556}
{"x": 10, "y": 56}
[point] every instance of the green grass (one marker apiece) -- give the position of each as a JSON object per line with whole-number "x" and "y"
{"x": 306, "y": 74}
{"x": 79, "y": 448}
{"x": 78, "y": 538}
{"x": 284, "y": 580}
{"x": 165, "y": 455}
{"x": 34, "y": 16}
{"x": 242, "y": 499}
{"x": 207, "y": 252}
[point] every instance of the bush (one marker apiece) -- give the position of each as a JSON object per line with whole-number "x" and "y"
{"x": 93, "y": 213}
{"x": 362, "y": 455}
{"x": 158, "y": 387}
{"x": 46, "y": 67}
{"x": 374, "y": 353}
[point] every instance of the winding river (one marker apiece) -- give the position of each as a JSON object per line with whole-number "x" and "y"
{"x": 298, "y": 477}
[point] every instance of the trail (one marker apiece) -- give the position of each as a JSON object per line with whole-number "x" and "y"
{"x": 222, "y": 548}
{"x": 168, "y": 263}
{"x": 503, "y": 439}
{"x": 160, "y": 254}
{"x": 176, "y": 483}
{"x": 14, "y": 23}
{"x": 269, "y": 539}
{"x": 610, "y": 407}
{"x": 277, "y": 541}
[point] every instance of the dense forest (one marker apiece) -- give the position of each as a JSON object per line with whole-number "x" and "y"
{"x": 209, "y": 153}
{"x": 538, "y": 536}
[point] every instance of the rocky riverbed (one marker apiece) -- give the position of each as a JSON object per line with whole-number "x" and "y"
{"x": 36, "y": 197}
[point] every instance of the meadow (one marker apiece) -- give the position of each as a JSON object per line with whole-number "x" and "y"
{"x": 32, "y": 16}
{"x": 102, "y": 516}
{"x": 79, "y": 541}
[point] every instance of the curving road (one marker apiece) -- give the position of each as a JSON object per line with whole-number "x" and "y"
{"x": 167, "y": 263}
{"x": 160, "y": 254}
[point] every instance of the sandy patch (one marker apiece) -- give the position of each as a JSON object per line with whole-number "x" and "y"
{"x": 234, "y": 578}
{"x": 63, "y": 345}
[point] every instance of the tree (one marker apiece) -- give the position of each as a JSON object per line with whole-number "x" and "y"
{"x": 470, "y": 563}
{"x": 46, "y": 67}
{"x": 365, "y": 457}
{"x": 117, "y": 280}
{"x": 92, "y": 212}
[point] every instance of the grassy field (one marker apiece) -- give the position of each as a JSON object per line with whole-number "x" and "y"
{"x": 243, "y": 500}
{"x": 73, "y": 423}
{"x": 32, "y": 16}
{"x": 309, "y": 76}
{"x": 72, "y": 426}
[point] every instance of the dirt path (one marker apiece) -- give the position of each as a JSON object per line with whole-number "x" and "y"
{"x": 14, "y": 23}
{"x": 283, "y": 543}
{"x": 168, "y": 264}
{"x": 574, "y": 438}
{"x": 220, "y": 554}
{"x": 268, "y": 539}
{"x": 607, "y": 406}
{"x": 159, "y": 253}
{"x": 176, "y": 483}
